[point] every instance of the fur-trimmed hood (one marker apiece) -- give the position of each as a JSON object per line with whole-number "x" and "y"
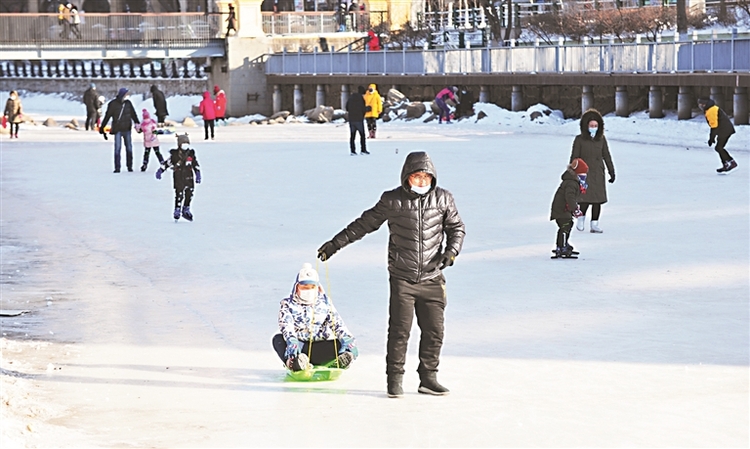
{"x": 592, "y": 114}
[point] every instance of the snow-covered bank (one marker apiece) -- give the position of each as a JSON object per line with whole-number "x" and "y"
{"x": 689, "y": 134}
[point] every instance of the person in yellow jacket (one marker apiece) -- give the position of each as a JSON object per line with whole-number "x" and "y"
{"x": 721, "y": 130}
{"x": 373, "y": 108}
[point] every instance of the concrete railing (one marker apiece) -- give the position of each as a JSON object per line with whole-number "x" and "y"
{"x": 112, "y": 30}
{"x": 314, "y": 22}
{"x": 731, "y": 55}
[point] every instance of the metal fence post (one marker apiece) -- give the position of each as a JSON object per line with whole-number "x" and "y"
{"x": 315, "y": 60}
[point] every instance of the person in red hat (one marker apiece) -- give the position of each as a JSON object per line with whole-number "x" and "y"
{"x": 220, "y": 104}
{"x": 565, "y": 206}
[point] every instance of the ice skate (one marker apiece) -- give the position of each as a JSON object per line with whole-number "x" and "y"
{"x": 595, "y": 227}
{"x": 176, "y": 214}
{"x": 581, "y": 223}
{"x": 730, "y": 165}
{"x": 186, "y": 213}
{"x": 723, "y": 167}
{"x": 143, "y": 167}
{"x": 365, "y": 152}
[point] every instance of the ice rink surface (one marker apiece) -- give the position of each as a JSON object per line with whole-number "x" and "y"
{"x": 149, "y": 333}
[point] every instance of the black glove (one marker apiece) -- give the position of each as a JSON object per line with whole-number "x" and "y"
{"x": 326, "y": 251}
{"x": 105, "y": 136}
{"x": 711, "y": 141}
{"x": 611, "y": 178}
{"x": 447, "y": 260}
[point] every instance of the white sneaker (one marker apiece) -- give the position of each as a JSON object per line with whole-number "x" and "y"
{"x": 595, "y": 227}
{"x": 581, "y": 223}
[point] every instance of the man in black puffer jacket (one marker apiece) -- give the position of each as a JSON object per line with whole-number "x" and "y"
{"x": 426, "y": 235}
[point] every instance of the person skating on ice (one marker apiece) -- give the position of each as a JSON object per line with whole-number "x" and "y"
{"x": 312, "y": 331}
{"x": 591, "y": 146}
{"x": 208, "y": 111}
{"x": 148, "y": 127}
{"x": 13, "y": 113}
{"x": 426, "y": 235}
{"x": 721, "y": 130}
{"x": 186, "y": 173}
{"x": 356, "y": 108}
{"x": 123, "y": 114}
{"x": 374, "y": 107}
{"x": 565, "y": 206}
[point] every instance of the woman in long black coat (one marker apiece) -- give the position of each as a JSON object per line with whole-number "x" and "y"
{"x": 591, "y": 146}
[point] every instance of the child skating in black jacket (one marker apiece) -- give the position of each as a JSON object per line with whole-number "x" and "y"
{"x": 565, "y": 206}
{"x": 184, "y": 164}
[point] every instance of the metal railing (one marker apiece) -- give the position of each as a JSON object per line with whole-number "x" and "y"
{"x": 19, "y": 31}
{"x": 314, "y": 22}
{"x": 732, "y": 55}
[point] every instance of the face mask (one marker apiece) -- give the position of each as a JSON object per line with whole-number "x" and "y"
{"x": 370, "y": 90}
{"x": 308, "y": 296}
{"x": 420, "y": 190}
{"x": 593, "y": 131}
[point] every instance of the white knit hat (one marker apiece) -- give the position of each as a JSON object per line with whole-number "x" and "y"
{"x": 307, "y": 275}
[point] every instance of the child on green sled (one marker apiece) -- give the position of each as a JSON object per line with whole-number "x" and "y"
{"x": 312, "y": 331}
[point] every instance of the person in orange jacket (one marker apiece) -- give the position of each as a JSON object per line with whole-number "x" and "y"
{"x": 220, "y": 104}
{"x": 374, "y": 107}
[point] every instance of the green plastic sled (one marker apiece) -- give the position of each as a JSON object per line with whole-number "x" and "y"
{"x": 315, "y": 374}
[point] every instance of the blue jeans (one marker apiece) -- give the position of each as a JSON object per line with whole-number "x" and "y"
{"x": 124, "y": 135}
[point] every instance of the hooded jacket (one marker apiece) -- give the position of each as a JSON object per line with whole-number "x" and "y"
{"x": 565, "y": 200}
{"x": 123, "y": 115}
{"x": 207, "y": 108}
{"x": 318, "y": 322}
{"x": 374, "y": 101}
{"x": 220, "y": 103}
{"x": 717, "y": 120}
{"x": 595, "y": 152}
{"x": 14, "y": 109}
{"x": 148, "y": 127}
{"x": 422, "y": 227}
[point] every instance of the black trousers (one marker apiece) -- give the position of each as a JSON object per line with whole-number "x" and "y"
{"x": 179, "y": 194}
{"x": 721, "y": 142}
{"x": 596, "y": 210}
{"x": 160, "y": 118}
{"x": 14, "y": 128}
{"x": 90, "y": 120}
{"x": 147, "y": 151}
{"x": 323, "y": 352}
{"x": 428, "y": 300}
{"x": 354, "y": 128}
{"x": 564, "y": 226}
{"x": 208, "y": 124}
{"x": 372, "y": 123}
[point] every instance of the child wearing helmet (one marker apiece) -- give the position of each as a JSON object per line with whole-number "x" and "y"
{"x": 184, "y": 164}
{"x": 312, "y": 331}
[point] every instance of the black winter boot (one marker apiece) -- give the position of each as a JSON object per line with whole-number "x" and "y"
{"x": 395, "y": 390}
{"x": 430, "y": 385}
